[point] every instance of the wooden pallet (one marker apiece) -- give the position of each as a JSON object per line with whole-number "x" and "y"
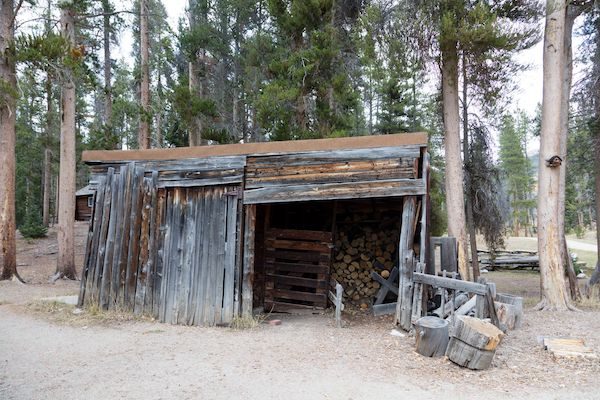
{"x": 297, "y": 264}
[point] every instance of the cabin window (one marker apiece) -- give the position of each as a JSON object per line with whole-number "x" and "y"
{"x": 90, "y": 201}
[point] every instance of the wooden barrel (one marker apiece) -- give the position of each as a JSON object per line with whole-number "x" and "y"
{"x": 473, "y": 343}
{"x": 515, "y": 312}
{"x": 431, "y": 336}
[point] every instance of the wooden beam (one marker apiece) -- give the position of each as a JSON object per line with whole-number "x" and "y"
{"x": 294, "y": 146}
{"x": 248, "y": 269}
{"x": 449, "y": 283}
{"x": 406, "y": 257}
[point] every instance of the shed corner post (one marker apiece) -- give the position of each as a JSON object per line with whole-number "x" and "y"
{"x": 248, "y": 267}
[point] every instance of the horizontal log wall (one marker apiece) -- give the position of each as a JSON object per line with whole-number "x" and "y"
{"x": 342, "y": 174}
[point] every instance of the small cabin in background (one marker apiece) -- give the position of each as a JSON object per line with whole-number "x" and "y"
{"x": 200, "y": 235}
{"x": 84, "y": 202}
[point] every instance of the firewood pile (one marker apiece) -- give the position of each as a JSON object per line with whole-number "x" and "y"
{"x": 360, "y": 250}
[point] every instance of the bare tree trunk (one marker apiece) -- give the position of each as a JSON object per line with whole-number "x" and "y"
{"x": 595, "y": 278}
{"x": 468, "y": 201}
{"x": 106, "y": 8}
{"x": 144, "y": 131}
{"x": 8, "y": 245}
{"x": 47, "y": 154}
{"x": 565, "y": 97}
{"x": 65, "y": 267}
{"x": 554, "y": 292}
{"x": 160, "y": 95}
{"x": 455, "y": 204}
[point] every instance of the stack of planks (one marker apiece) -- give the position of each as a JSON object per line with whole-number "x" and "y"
{"x": 360, "y": 253}
{"x": 297, "y": 269}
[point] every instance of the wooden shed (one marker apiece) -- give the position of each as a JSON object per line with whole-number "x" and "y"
{"x": 84, "y": 202}
{"x": 199, "y": 235}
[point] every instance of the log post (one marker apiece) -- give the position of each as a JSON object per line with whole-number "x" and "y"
{"x": 405, "y": 290}
{"x": 473, "y": 343}
{"x": 248, "y": 270}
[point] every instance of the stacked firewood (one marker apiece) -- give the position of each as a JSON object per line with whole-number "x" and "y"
{"x": 357, "y": 253}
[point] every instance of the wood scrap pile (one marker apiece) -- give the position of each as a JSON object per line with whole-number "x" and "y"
{"x": 358, "y": 253}
{"x": 508, "y": 259}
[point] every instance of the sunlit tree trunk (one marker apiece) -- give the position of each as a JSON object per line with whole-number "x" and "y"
{"x": 455, "y": 204}
{"x": 8, "y": 247}
{"x": 554, "y": 292}
{"x": 108, "y": 102}
{"x": 144, "y": 131}
{"x": 65, "y": 267}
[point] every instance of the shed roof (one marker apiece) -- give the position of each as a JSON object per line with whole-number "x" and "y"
{"x": 291, "y": 146}
{"x": 85, "y": 191}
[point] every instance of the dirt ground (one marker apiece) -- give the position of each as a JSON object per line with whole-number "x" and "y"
{"x": 51, "y": 353}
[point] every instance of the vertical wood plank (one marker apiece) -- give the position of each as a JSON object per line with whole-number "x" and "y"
{"x": 152, "y": 249}
{"x": 110, "y": 242}
{"x": 404, "y": 306}
{"x": 213, "y": 251}
{"x": 230, "y": 259}
{"x": 220, "y": 246}
{"x": 164, "y": 291}
{"x": 142, "y": 271}
{"x": 188, "y": 242}
{"x": 204, "y": 243}
{"x": 134, "y": 238}
{"x": 248, "y": 271}
{"x": 125, "y": 228}
{"x": 99, "y": 261}
{"x": 158, "y": 255}
{"x": 91, "y": 253}
{"x": 118, "y": 246}
{"x": 196, "y": 280}
{"x": 206, "y": 253}
{"x": 175, "y": 250}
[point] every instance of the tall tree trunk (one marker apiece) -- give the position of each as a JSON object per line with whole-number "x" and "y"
{"x": 567, "y": 262}
{"x": 469, "y": 190}
{"x": 455, "y": 204}
{"x": 554, "y": 292}
{"x": 106, "y": 9}
{"x": 47, "y": 154}
{"x": 8, "y": 246}
{"x": 144, "y": 131}
{"x": 595, "y": 278}
{"x": 160, "y": 95}
{"x": 65, "y": 267}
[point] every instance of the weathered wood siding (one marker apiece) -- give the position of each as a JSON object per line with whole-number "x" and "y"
{"x": 342, "y": 174}
{"x": 169, "y": 252}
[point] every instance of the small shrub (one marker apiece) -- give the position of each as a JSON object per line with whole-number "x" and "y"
{"x": 33, "y": 228}
{"x": 579, "y": 232}
{"x": 244, "y": 322}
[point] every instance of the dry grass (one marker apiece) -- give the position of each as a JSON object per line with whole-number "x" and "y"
{"x": 241, "y": 322}
{"x": 590, "y": 298}
{"x": 62, "y": 313}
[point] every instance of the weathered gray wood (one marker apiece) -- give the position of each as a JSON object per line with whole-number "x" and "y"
{"x": 424, "y": 249}
{"x": 175, "y": 270}
{"x": 126, "y": 231}
{"x": 230, "y": 258}
{"x": 468, "y": 356}
{"x": 159, "y": 256}
{"x": 118, "y": 241}
{"x": 332, "y": 191}
{"x": 220, "y": 248}
{"x": 339, "y": 293}
{"x": 226, "y": 180}
{"x": 417, "y": 305}
{"x": 431, "y": 334}
{"x": 384, "y": 309}
{"x": 387, "y": 285}
{"x": 213, "y": 259}
{"x": 134, "y": 237}
{"x": 477, "y": 333}
{"x": 467, "y": 307}
{"x": 205, "y": 241}
{"x": 248, "y": 272}
{"x": 449, "y": 283}
{"x": 450, "y": 306}
{"x": 166, "y": 271}
{"x": 99, "y": 261}
{"x": 142, "y": 272}
{"x": 91, "y": 254}
{"x": 152, "y": 250}
{"x": 202, "y": 228}
{"x": 110, "y": 242}
{"x": 407, "y": 264}
{"x": 517, "y": 309}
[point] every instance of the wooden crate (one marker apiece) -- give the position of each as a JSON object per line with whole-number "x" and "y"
{"x": 297, "y": 264}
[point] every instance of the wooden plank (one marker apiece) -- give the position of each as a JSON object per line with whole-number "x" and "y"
{"x": 366, "y": 142}
{"x": 110, "y": 242}
{"x": 248, "y": 271}
{"x": 166, "y": 262}
{"x": 424, "y": 243}
{"x": 220, "y": 249}
{"x": 152, "y": 249}
{"x": 290, "y": 255}
{"x": 384, "y": 309}
{"x": 297, "y": 281}
{"x": 126, "y": 230}
{"x": 142, "y": 272}
{"x": 212, "y": 263}
{"x": 99, "y": 261}
{"x": 300, "y": 296}
{"x": 91, "y": 254}
{"x": 230, "y": 258}
{"x": 387, "y": 285}
{"x": 449, "y": 283}
{"x": 188, "y": 246}
{"x": 298, "y": 245}
{"x": 134, "y": 237}
{"x": 405, "y": 290}
{"x": 331, "y": 191}
{"x": 276, "y": 266}
{"x": 160, "y": 243}
{"x": 266, "y": 167}
{"x": 330, "y": 177}
{"x": 177, "y": 246}
{"x": 201, "y": 182}
{"x": 202, "y": 244}
{"x": 118, "y": 245}
{"x": 298, "y": 234}
{"x": 196, "y": 255}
